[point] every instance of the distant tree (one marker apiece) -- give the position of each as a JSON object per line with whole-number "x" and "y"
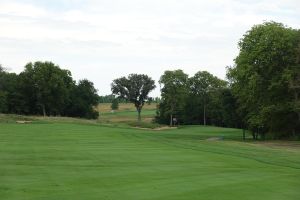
{"x": 135, "y": 88}
{"x": 84, "y": 99}
{"x": 157, "y": 99}
{"x": 150, "y": 100}
{"x": 11, "y": 100}
{"x": 173, "y": 93}
{"x": 201, "y": 85}
{"x": 115, "y": 104}
{"x": 46, "y": 86}
{"x": 106, "y": 99}
{"x": 3, "y": 94}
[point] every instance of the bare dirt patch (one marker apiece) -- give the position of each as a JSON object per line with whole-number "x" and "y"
{"x": 158, "y": 128}
{"x": 23, "y": 122}
{"x": 214, "y": 139}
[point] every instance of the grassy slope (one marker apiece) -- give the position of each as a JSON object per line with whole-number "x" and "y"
{"x": 73, "y": 161}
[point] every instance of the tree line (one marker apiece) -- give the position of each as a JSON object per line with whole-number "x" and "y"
{"x": 261, "y": 93}
{"x": 43, "y": 88}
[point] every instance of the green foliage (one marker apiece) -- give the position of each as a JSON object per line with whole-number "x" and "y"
{"x": 196, "y": 100}
{"x": 110, "y": 98}
{"x": 10, "y": 96}
{"x": 3, "y": 102}
{"x": 173, "y": 94}
{"x": 262, "y": 78}
{"x": 49, "y": 87}
{"x": 45, "y": 89}
{"x": 84, "y": 98}
{"x": 115, "y": 104}
{"x": 203, "y": 86}
{"x": 135, "y": 88}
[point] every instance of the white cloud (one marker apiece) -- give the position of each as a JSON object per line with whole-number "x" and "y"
{"x": 101, "y": 40}
{"x": 21, "y": 10}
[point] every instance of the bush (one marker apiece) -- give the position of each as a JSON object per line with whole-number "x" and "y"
{"x": 115, "y": 104}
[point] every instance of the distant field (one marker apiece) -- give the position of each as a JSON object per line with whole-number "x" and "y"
{"x": 73, "y": 160}
{"x": 106, "y": 107}
{"x": 125, "y": 113}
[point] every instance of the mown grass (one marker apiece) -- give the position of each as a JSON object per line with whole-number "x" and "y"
{"x": 68, "y": 160}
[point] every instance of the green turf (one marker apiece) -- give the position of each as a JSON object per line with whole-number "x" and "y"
{"x": 80, "y": 161}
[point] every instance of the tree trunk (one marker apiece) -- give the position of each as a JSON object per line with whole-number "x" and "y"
{"x": 171, "y": 120}
{"x": 204, "y": 115}
{"x": 139, "y": 114}
{"x": 44, "y": 110}
{"x": 254, "y": 135}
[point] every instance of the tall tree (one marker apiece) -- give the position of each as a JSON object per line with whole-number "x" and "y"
{"x": 173, "y": 92}
{"x": 262, "y": 78}
{"x": 135, "y": 88}
{"x": 201, "y": 85}
{"x": 47, "y": 87}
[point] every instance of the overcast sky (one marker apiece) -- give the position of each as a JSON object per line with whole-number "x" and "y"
{"x": 104, "y": 39}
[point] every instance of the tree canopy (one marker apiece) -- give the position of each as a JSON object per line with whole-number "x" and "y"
{"x": 44, "y": 88}
{"x": 173, "y": 93}
{"x": 135, "y": 88}
{"x": 263, "y": 77}
{"x": 202, "y": 84}
{"x": 194, "y": 100}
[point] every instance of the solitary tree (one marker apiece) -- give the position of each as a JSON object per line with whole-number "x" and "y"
{"x": 134, "y": 88}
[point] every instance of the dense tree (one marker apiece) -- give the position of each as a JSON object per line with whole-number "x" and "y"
{"x": 229, "y": 109}
{"x": 202, "y": 85}
{"x": 173, "y": 94}
{"x": 84, "y": 99}
{"x": 48, "y": 85}
{"x": 135, "y": 88}
{"x": 10, "y": 98}
{"x": 264, "y": 77}
{"x": 44, "y": 88}
{"x": 3, "y": 93}
{"x": 201, "y": 99}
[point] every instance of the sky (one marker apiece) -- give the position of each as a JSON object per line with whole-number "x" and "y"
{"x": 102, "y": 40}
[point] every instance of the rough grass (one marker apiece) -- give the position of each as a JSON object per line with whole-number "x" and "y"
{"x": 126, "y": 113}
{"x": 73, "y": 161}
{"x": 106, "y": 107}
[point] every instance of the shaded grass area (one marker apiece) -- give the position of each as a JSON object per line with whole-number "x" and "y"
{"x": 92, "y": 161}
